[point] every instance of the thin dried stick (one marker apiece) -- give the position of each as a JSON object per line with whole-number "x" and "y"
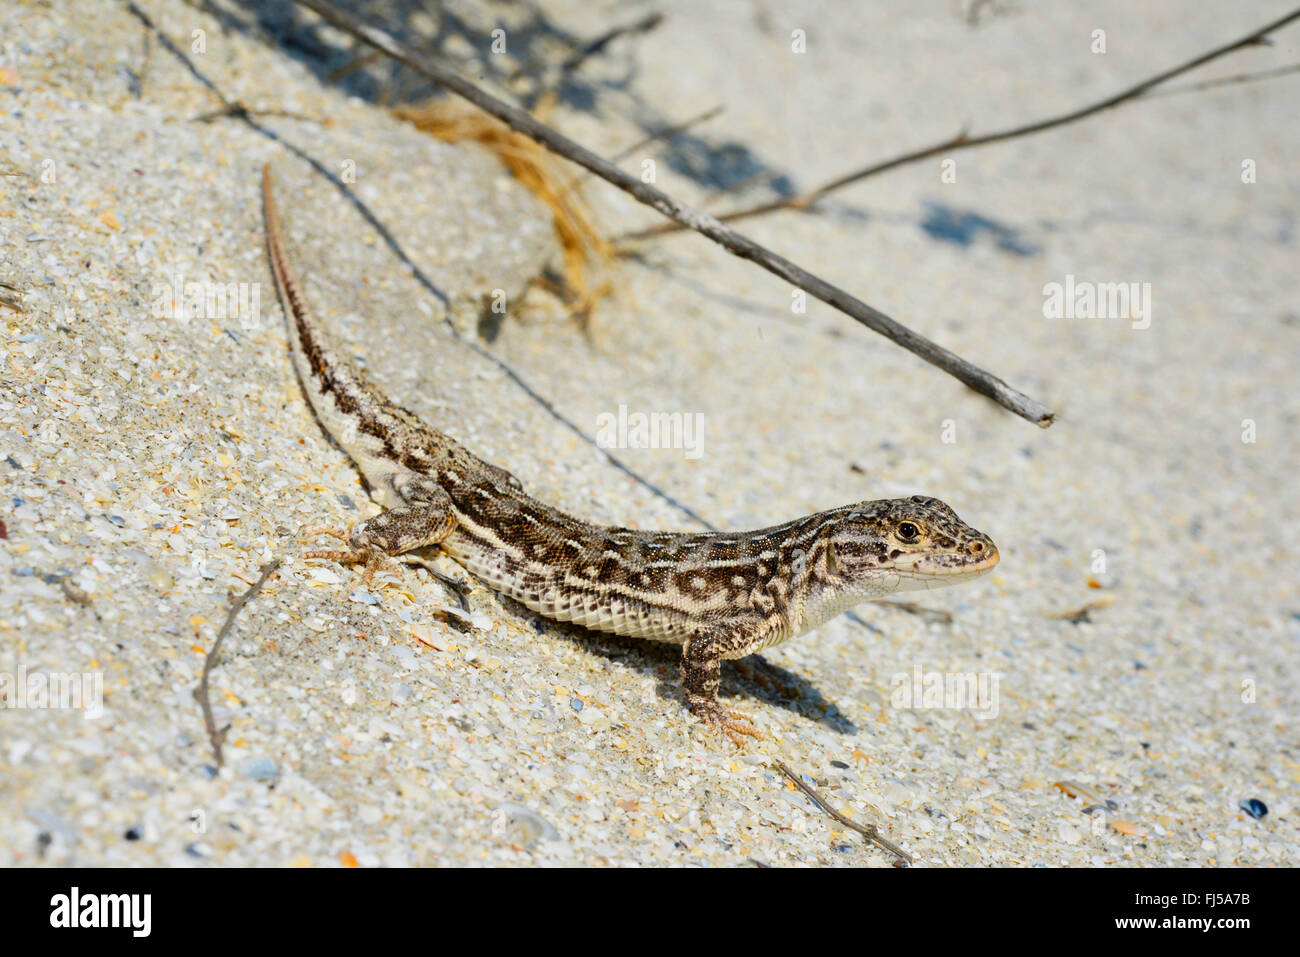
{"x": 358, "y": 63}
{"x": 975, "y": 377}
{"x": 663, "y": 135}
{"x": 240, "y": 111}
{"x": 962, "y": 142}
{"x": 592, "y": 47}
{"x": 667, "y": 133}
{"x": 580, "y": 53}
{"x": 866, "y": 830}
{"x": 1233, "y": 80}
{"x": 215, "y": 735}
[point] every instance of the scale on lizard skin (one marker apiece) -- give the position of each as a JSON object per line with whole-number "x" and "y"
{"x": 718, "y": 595}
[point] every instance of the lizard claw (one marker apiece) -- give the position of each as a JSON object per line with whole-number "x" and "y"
{"x": 733, "y": 724}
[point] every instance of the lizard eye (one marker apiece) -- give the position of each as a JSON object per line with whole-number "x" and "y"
{"x": 908, "y": 531}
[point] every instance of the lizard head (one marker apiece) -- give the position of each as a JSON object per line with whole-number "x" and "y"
{"x": 919, "y": 542}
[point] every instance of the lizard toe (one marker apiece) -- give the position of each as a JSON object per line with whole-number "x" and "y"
{"x": 733, "y": 724}
{"x": 736, "y": 724}
{"x": 342, "y": 556}
{"x": 314, "y": 531}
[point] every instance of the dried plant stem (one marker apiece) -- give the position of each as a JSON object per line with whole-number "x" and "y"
{"x": 592, "y": 47}
{"x": 973, "y": 376}
{"x": 218, "y": 735}
{"x": 667, "y": 133}
{"x": 964, "y": 142}
{"x": 866, "y": 830}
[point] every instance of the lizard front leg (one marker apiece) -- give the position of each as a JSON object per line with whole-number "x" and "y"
{"x": 702, "y": 655}
{"x": 424, "y": 518}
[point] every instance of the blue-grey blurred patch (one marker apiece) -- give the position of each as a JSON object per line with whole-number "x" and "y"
{"x": 724, "y": 166}
{"x": 963, "y": 228}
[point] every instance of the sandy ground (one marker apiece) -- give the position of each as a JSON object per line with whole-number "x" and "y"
{"x": 151, "y": 462}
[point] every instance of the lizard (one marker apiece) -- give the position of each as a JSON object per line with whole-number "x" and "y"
{"x": 719, "y": 595}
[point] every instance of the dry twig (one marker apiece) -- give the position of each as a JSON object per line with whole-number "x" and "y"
{"x": 979, "y": 380}
{"x": 963, "y": 142}
{"x": 866, "y": 830}
{"x": 589, "y": 49}
{"x": 667, "y": 133}
{"x": 238, "y": 110}
{"x": 1234, "y": 80}
{"x": 215, "y": 735}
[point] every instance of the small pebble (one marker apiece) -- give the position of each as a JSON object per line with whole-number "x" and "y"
{"x": 1065, "y": 832}
{"x": 259, "y": 769}
{"x": 1254, "y": 807}
{"x": 516, "y": 824}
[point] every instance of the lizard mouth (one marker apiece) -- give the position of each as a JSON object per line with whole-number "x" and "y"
{"x": 933, "y": 571}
